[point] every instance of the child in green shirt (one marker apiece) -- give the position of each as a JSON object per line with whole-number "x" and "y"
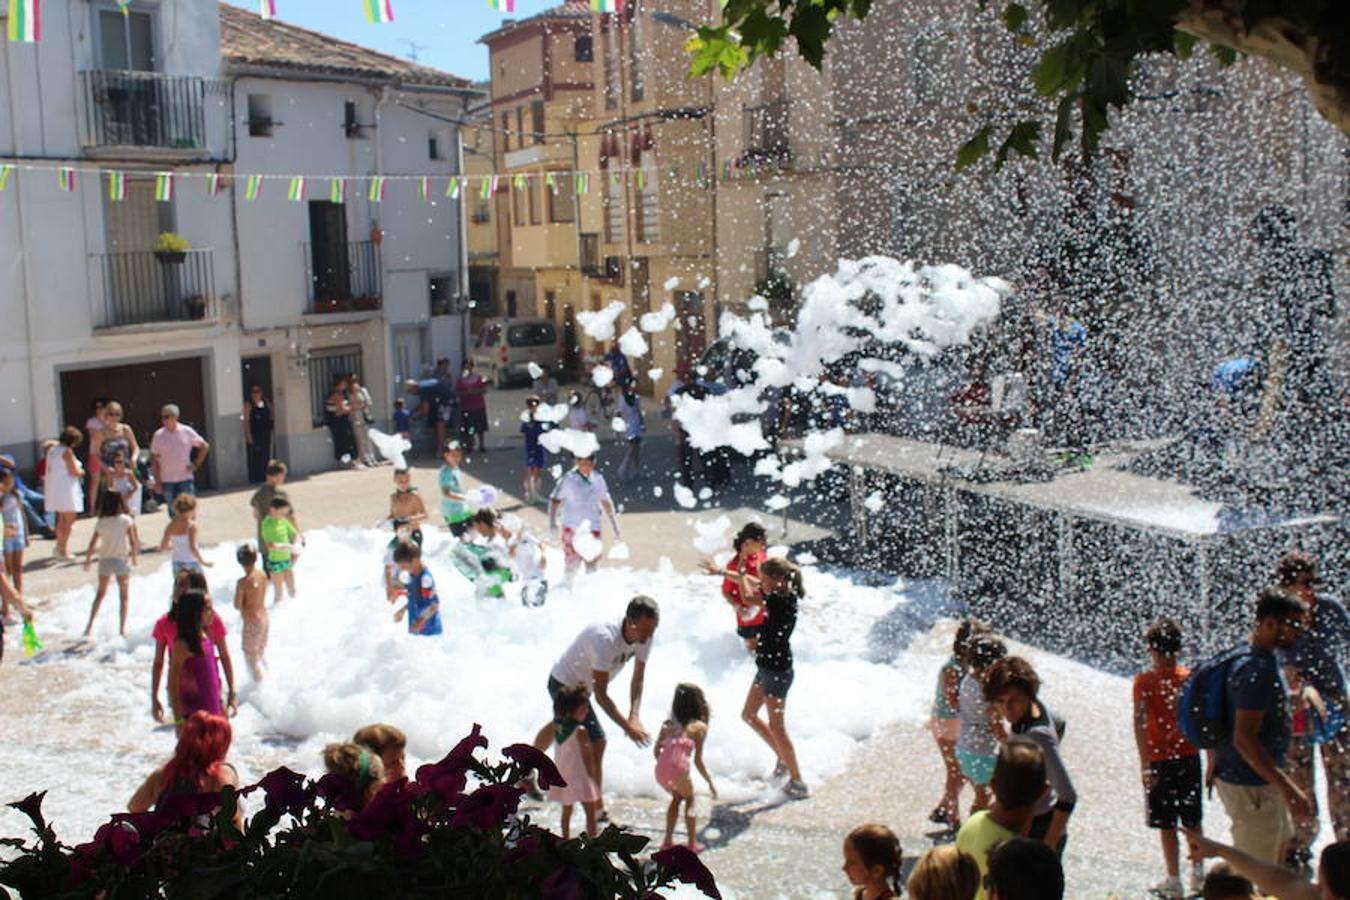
{"x": 454, "y": 503}
{"x": 279, "y": 534}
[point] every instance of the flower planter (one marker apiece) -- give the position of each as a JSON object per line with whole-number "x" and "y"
{"x": 171, "y": 257}
{"x": 366, "y": 303}
{"x": 329, "y": 306}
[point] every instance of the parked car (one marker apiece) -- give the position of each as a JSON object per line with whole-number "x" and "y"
{"x": 504, "y": 349}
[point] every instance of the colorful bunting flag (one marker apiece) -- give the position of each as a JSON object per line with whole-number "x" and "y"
{"x": 521, "y": 182}
{"x": 423, "y": 188}
{"x": 65, "y": 179}
{"x": 267, "y": 9}
{"x": 253, "y": 187}
{"x": 496, "y": 183}
{"x": 552, "y": 183}
{"x": 296, "y": 192}
{"x": 486, "y": 190}
{"x": 117, "y": 186}
{"x": 214, "y": 184}
{"x": 641, "y": 178}
{"x": 609, "y": 6}
{"x": 503, "y": 5}
{"x": 379, "y": 10}
{"x": 337, "y": 190}
{"x": 124, "y": 6}
{"x": 25, "y": 20}
{"x": 582, "y": 181}
{"x": 376, "y": 193}
{"x": 164, "y": 187}
{"x": 5, "y": 171}
{"x": 452, "y": 189}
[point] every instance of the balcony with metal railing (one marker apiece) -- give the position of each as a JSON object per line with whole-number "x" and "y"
{"x": 343, "y": 277}
{"x": 161, "y": 115}
{"x": 149, "y": 288}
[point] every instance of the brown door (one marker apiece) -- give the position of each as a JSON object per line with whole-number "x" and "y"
{"x": 141, "y": 388}
{"x": 692, "y": 338}
{"x": 569, "y": 338}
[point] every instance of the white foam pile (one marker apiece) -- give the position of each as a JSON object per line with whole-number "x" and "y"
{"x": 660, "y": 320}
{"x": 337, "y": 661}
{"x": 633, "y": 344}
{"x": 866, "y": 303}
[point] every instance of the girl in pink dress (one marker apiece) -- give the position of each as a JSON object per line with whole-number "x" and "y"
{"x": 575, "y": 758}
{"x": 681, "y": 741}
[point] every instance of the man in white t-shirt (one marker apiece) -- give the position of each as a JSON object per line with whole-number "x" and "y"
{"x": 579, "y": 498}
{"x": 599, "y": 653}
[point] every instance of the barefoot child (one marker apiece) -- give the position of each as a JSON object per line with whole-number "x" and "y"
{"x": 250, "y": 598}
{"x": 261, "y": 502}
{"x": 945, "y": 723}
{"x": 872, "y": 860}
{"x": 529, "y": 562}
{"x": 533, "y": 428}
{"x": 681, "y": 738}
{"x": 116, "y": 533}
{"x": 121, "y": 480}
{"x": 279, "y": 534}
{"x": 405, "y": 504}
{"x": 180, "y": 535}
{"x": 15, "y": 532}
{"x": 454, "y": 502}
{"x": 423, "y": 608}
{"x": 575, "y": 758}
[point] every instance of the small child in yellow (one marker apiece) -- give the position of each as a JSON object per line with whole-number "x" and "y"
{"x": 250, "y": 598}
{"x": 279, "y": 534}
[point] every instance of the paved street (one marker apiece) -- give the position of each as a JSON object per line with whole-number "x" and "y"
{"x": 893, "y": 778}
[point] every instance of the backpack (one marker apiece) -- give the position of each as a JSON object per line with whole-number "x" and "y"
{"x": 1202, "y": 705}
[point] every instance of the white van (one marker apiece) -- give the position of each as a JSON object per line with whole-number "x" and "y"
{"x": 504, "y": 349}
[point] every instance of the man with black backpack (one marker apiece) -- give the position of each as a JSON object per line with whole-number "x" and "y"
{"x": 1252, "y": 786}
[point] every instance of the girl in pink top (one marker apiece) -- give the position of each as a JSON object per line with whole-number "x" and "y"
{"x": 681, "y": 740}
{"x": 575, "y": 757}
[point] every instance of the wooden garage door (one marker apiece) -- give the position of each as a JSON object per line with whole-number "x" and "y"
{"x": 141, "y": 388}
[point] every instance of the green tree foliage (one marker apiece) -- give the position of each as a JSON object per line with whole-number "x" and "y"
{"x": 1088, "y": 49}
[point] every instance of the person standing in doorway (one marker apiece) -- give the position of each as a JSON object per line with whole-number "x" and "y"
{"x": 93, "y": 427}
{"x": 259, "y": 426}
{"x": 362, "y": 419}
{"x": 171, "y": 460}
{"x": 337, "y": 413}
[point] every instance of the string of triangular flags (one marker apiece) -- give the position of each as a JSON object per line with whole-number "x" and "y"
{"x": 600, "y": 6}
{"x": 25, "y": 16}
{"x": 426, "y": 188}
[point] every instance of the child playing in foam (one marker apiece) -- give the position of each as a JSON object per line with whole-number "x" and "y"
{"x": 681, "y": 738}
{"x": 250, "y": 598}
{"x": 575, "y": 757}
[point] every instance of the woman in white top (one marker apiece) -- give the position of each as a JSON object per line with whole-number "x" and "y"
{"x": 63, "y": 493}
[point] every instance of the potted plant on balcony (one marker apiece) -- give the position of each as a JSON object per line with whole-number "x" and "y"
{"x": 171, "y": 249}
{"x": 196, "y": 306}
{"x": 367, "y": 301}
{"x": 329, "y": 305}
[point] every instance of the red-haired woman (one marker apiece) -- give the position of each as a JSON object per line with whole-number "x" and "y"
{"x": 198, "y": 765}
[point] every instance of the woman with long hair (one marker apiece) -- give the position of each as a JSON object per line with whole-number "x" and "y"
{"x": 782, "y": 590}
{"x": 259, "y": 426}
{"x": 198, "y": 765}
{"x": 194, "y": 675}
{"x": 361, "y": 418}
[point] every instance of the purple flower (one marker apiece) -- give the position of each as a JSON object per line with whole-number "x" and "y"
{"x": 390, "y": 812}
{"x": 688, "y": 868}
{"x": 532, "y": 759}
{"x": 488, "y": 807}
{"x": 118, "y": 839}
{"x": 189, "y": 806}
{"x": 284, "y": 790}
{"x": 340, "y": 791}
{"x": 448, "y": 778}
{"x": 563, "y": 884}
{"x": 31, "y": 806}
{"x": 148, "y": 825}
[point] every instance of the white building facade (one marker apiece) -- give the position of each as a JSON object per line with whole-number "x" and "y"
{"x": 272, "y": 291}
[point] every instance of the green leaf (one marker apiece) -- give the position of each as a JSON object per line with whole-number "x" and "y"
{"x": 762, "y": 33}
{"x": 1021, "y": 140}
{"x": 1053, "y": 71}
{"x": 1063, "y": 125}
{"x": 974, "y": 149}
{"x": 1183, "y": 43}
{"x": 811, "y": 27}
{"x": 1225, "y": 55}
{"x": 1014, "y": 16}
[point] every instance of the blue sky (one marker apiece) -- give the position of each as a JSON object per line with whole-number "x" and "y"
{"x": 446, "y": 30}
